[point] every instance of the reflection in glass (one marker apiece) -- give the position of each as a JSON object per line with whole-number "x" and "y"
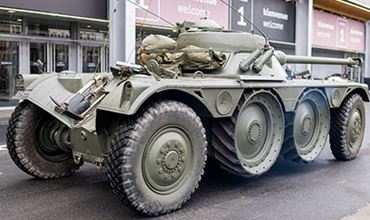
{"x": 38, "y": 58}
{"x": 48, "y": 30}
{"x": 91, "y": 59}
{"x": 61, "y": 57}
{"x": 9, "y": 25}
{"x": 9, "y": 57}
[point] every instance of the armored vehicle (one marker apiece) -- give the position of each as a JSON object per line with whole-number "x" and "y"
{"x": 210, "y": 93}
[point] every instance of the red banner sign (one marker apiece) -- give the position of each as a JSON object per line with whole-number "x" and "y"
{"x": 181, "y": 10}
{"x": 337, "y": 32}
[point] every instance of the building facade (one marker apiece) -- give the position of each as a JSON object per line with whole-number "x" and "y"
{"x": 53, "y": 36}
{"x": 339, "y": 30}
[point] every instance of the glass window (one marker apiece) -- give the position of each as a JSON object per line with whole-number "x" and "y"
{"x": 48, "y": 31}
{"x": 38, "y": 60}
{"x": 10, "y": 25}
{"x": 37, "y": 29}
{"x": 9, "y": 58}
{"x": 60, "y": 33}
{"x": 91, "y": 59}
{"x": 61, "y": 56}
{"x": 88, "y": 34}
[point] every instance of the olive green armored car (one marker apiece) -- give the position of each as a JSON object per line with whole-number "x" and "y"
{"x": 151, "y": 125}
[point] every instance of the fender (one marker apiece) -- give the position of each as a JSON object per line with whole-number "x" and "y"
{"x": 128, "y": 97}
{"x": 60, "y": 86}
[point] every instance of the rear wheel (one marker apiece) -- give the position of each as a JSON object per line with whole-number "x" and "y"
{"x": 156, "y": 161}
{"x": 32, "y": 146}
{"x": 307, "y": 128}
{"x": 347, "y": 128}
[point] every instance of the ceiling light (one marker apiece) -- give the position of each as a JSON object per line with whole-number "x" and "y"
{"x": 14, "y": 10}
{"x": 355, "y": 4}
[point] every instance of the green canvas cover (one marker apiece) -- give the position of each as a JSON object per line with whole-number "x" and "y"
{"x": 162, "y": 49}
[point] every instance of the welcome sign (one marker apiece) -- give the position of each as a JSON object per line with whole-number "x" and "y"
{"x": 338, "y": 32}
{"x": 274, "y": 17}
{"x": 181, "y": 10}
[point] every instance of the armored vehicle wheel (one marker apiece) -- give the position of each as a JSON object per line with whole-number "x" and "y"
{"x": 307, "y": 128}
{"x": 156, "y": 161}
{"x": 32, "y": 147}
{"x": 347, "y": 128}
{"x": 249, "y": 143}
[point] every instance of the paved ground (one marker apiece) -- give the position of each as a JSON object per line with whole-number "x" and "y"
{"x": 325, "y": 189}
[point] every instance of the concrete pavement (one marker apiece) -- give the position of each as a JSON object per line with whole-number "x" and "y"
{"x": 361, "y": 214}
{"x": 5, "y": 113}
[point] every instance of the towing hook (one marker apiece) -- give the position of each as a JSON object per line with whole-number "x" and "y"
{"x": 77, "y": 158}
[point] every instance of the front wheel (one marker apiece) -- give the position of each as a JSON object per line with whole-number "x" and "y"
{"x": 31, "y": 144}
{"x": 348, "y": 128}
{"x": 156, "y": 161}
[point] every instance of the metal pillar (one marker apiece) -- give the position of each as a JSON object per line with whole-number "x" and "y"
{"x": 121, "y": 31}
{"x": 24, "y": 57}
{"x": 366, "y": 71}
{"x": 75, "y": 62}
{"x": 304, "y": 16}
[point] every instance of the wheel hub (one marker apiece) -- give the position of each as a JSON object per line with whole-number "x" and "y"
{"x": 254, "y": 132}
{"x": 171, "y": 160}
{"x": 355, "y": 127}
{"x": 306, "y": 125}
{"x": 259, "y": 133}
{"x": 166, "y": 160}
{"x": 311, "y": 125}
{"x": 52, "y": 140}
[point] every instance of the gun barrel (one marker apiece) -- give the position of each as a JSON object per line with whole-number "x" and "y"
{"x": 323, "y": 60}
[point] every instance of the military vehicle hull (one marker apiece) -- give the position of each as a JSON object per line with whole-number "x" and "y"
{"x": 202, "y": 94}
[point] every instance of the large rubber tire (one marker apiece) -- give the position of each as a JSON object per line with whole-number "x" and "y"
{"x": 24, "y": 146}
{"x": 307, "y": 128}
{"x": 348, "y": 128}
{"x": 156, "y": 161}
{"x": 228, "y": 132}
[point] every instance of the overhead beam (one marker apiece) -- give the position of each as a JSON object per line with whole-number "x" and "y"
{"x": 346, "y": 9}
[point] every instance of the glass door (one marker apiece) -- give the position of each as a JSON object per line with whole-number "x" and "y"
{"x": 60, "y": 57}
{"x": 91, "y": 57}
{"x": 9, "y": 67}
{"x": 38, "y": 58}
